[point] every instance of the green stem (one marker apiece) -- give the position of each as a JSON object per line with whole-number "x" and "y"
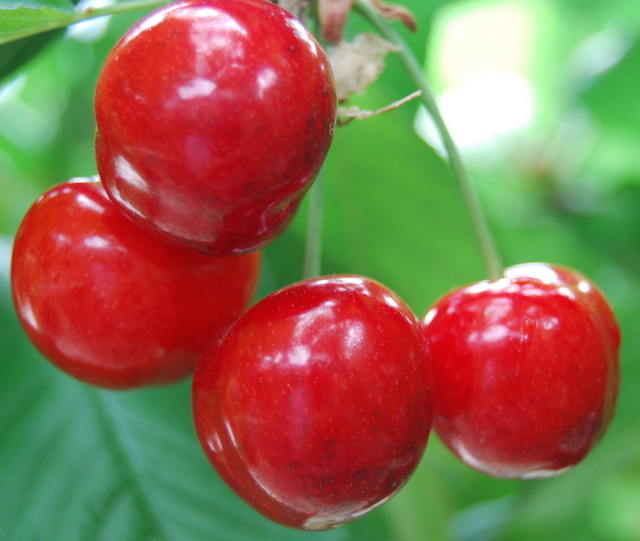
{"x": 76, "y": 17}
{"x": 313, "y": 245}
{"x": 410, "y": 64}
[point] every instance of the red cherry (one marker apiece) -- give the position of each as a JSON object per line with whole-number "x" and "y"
{"x": 316, "y": 406}
{"x": 525, "y": 370}
{"x": 214, "y": 117}
{"x": 111, "y": 305}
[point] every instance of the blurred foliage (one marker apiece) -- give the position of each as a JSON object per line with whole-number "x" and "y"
{"x": 80, "y": 463}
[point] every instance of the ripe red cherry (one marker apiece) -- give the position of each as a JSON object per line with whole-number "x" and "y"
{"x": 214, "y": 117}
{"x": 111, "y": 305}
{"x": 316, "y": 406}
{"x": 525, "y": 370}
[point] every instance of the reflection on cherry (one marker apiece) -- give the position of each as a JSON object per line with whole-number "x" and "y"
{"x": 525, "y": 370}
{"x": 316, "y": 406}
{"x": 214, "y": 117}
{"x": 111, "y": 305}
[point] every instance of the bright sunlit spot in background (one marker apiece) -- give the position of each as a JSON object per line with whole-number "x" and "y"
{"x": 482, "y": 56}
{"x": 22, "y": 124}
{"x": 92, "y": 29}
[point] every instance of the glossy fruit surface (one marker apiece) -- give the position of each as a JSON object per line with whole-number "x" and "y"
{"x": 525, "y": 370}
{"x": 214, "y": 117}
{"x": 316, "y": 406}
{"x": 112, "y": 305}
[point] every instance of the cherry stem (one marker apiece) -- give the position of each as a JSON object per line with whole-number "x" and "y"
{"x": 408, "y": 60}
{"x": 313, "y": 244}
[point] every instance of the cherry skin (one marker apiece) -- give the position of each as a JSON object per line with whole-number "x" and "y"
{"x": 214, "y": 117}
{"x": 316, "y": 406}
{"x": 111, "y": 305}
{"x": 525, "y": 370}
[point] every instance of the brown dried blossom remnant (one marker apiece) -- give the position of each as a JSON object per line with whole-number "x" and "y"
{"x": 396, "y": 12}
{"x": 333, "y": 16}
{"x": 347, "y": 114}
{"x": 358, "y": 63}
{"x": 297, "y": 8}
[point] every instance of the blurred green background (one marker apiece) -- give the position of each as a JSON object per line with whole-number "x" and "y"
{"x": 543, "y": 98}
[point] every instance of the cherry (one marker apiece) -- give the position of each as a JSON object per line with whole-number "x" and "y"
{"x": 111, "y": 305}
{"x": 316, "y": 406}
{"x": 525, "y": 370}
{"x": 214, "y": 117}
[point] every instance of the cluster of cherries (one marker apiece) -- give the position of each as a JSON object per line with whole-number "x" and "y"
{"x": 315, "y": 405}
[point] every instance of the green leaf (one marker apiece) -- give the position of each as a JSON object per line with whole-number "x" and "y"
{"x": 81, "y": 463}
{"x": 385, "y": 191}
{"x": 18, "y": 15}
{"x": 71, "y": 456}
{"x": 62, "y": 5}
{"x": 17, "y": 53}
{"x": 23, "y": 30}
{"x": 21, "y": 22}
